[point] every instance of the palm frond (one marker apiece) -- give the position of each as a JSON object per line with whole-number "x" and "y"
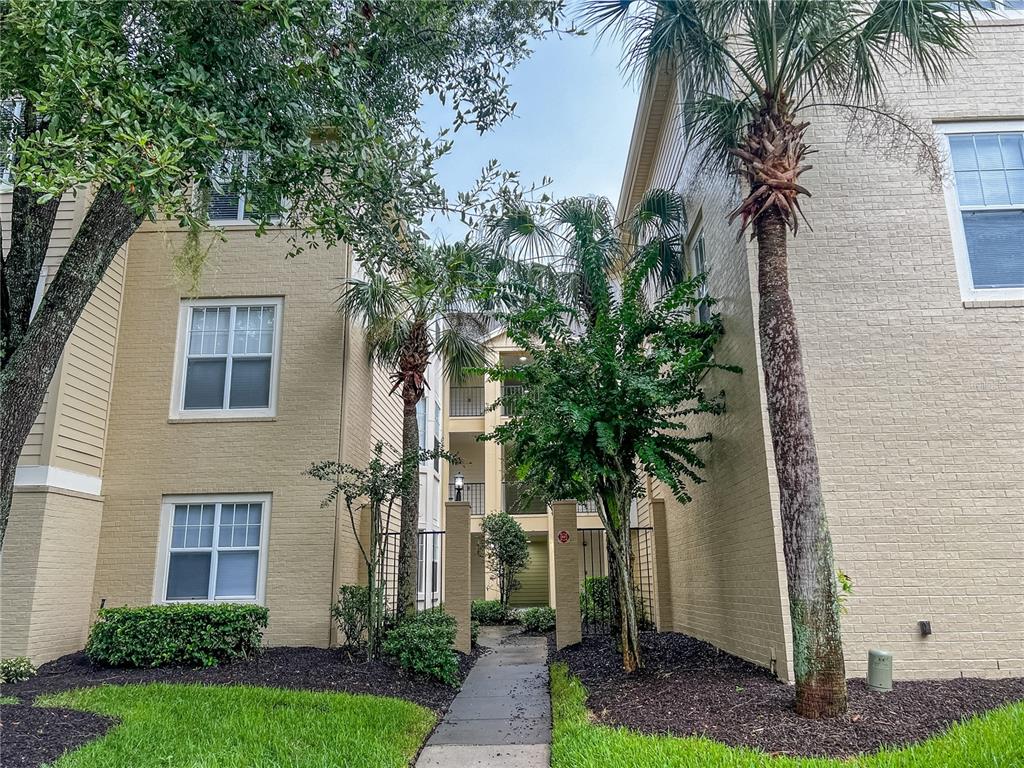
{"x": 459, "y": 348}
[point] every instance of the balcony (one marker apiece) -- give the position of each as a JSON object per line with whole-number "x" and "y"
{"x": 517, "y": 504}
{"x": 509, "y": 393}
{"x": 471, "y": 492}
{"x": 466, "y": 401}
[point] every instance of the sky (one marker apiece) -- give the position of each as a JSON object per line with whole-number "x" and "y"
{"x": 573, "y": 121}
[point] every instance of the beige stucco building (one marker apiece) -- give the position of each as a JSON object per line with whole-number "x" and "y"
{"x": 167, "y": 463}
{"x": 909, "y": 296}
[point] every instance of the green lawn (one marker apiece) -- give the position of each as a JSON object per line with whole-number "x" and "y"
{"x": 995, "y": 740}
{"x": 195, "y": 726}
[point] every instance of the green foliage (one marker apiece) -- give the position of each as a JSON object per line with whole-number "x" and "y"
{"x": 218, "y": 726}
{"x": 474, "y": 632}
{"x": 508, "y": 552}
{"x": 489, "y": 612}
{"x": 147, "y": 95}
{"x": 352, "y": 612}
{"x": 16, "y": 669}
{"x": 992, "y": 739}
{"x": 422, "y": 643}
{"x": 595, "y": 600}
{"x": 185, "y": 634}
{"x": 539, "y": 619}
{"x": 845, "y": 588}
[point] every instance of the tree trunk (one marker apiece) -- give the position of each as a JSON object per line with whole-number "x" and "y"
{"x": 810, "y": 571}
{"x": 615, "y": 504}
{"x": 27, "y": 372}
{"x": 408, "y": 561}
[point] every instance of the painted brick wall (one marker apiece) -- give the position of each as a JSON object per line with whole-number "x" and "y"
{"x": 149, "y": 457}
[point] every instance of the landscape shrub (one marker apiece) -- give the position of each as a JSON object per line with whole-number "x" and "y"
{"x": 489, "y": 612}
{"x": 474, "y": 632}
{"x": 16, "y": 669}
{"x": 351, "y": 612}
{"x": 538, "y": 619}
{"x": 422, "y": 643}
{"x": 596, "y": 600}
{"x": 185, "y": 634}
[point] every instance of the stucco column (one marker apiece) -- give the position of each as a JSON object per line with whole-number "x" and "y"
{"x": 662, "y": 578}
{"x": 457, "y": 588}
{"x": 565, "y": 548}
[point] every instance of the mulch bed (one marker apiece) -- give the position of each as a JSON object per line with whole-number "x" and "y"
{"x": 690, "y": 688}
{"x": 33, "y": 736}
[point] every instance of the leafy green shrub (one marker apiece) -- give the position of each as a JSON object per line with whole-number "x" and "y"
{"x": 489, "y": 612}
{"x": 186, "y": 634}
{"x": 351, "y": 612}
{"x": 474, "y": 632}
{"x": 538, "y": 619}
{"x": 423, "y": 643}
{"x": 16, "y": 669}
{"x": 596, "y": 600}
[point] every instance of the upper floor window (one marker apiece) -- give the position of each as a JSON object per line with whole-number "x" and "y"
{"x": 986, "y": 207}
{"x": 228, "y": 357}
{"x": 214, "y": 548}
{"x": 10, "y": 120}
{"x": 229, "y": 201}
{"x": 697, "y": 257}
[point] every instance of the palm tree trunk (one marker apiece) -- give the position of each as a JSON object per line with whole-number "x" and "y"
{"x": 615, "y": 503}
{"x": 810, "y": 570}
{"x": 410, "y": 511}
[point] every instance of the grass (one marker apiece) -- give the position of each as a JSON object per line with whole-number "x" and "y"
{"x": 9, "y": 700}
{"x": 994, "y": 740}
{"x": 195, "y": 726}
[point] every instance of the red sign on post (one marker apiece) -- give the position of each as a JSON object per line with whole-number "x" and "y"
{"x": 563, "y": 537}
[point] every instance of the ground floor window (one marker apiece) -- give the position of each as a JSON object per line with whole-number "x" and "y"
{"x": 213, "y": 548}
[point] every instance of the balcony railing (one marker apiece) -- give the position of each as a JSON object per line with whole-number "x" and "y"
{"x": 466, "y": 401}
{"x": 586, "y": 507}
{"x": 509, "y": 393}
{"x": 471, "y": 492}
{"x": 517, "y": 504}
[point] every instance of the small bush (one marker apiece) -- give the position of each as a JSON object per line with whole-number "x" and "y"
{"x": 474, "y": 632}
{"x": 16, "y": 669}
{"x": 423, "y": 644}
{"x": 350, "y": 613}
{"x": 187, "y": 634}
{"x": 489, "y": 612}
{"x": 595, "y": 600}
{"x": 538, "y": 619}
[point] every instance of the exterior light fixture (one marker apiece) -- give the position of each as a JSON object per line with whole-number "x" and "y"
{"x": 523, "y": 358}
{"x": 460, "y": 482}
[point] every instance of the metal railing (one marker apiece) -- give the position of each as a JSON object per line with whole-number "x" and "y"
{"x": 509, "y": 393}
{"x": 429, "y": 571}
{"x": 466, "y": 401}
{"x": 471, "y": 492}
{"x": 586, "y": 507}
{"x": 516, "y": 502}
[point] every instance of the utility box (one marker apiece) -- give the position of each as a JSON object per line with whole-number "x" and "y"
{"x": 879, "y": 670}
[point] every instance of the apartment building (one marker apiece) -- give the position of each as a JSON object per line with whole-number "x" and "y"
{"x": 909, "y": 297}
{"x": 167, "y": 463}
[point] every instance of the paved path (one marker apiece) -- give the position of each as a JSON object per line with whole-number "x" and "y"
{"x": 502, "y": 715}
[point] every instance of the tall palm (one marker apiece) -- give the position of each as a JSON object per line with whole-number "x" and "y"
{"x": 419, "y": 309}
{"x": 749, "y": 71}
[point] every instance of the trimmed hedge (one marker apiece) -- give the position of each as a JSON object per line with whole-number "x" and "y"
{"x": 423, "y": 642}
{"x": 185, "y": 634}
{"x": 541, "y": 619}
{"x": 491, "y": 612}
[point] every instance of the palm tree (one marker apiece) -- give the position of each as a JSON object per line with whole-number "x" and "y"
{"x": 749, "y": 71}
{"x": 420, "y": 308}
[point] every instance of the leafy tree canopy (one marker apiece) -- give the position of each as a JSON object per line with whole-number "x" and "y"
{"x": 146, "y": 96}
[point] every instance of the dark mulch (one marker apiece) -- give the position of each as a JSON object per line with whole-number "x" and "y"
{"x": 311, "y": 669}
{"x": 33, "y": 736}
{"x": 691, "y": 688}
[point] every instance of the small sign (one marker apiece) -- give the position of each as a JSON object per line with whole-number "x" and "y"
{"x": 563, "y": 537}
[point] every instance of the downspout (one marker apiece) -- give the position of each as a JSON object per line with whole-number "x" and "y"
{"x": 336, "y": 564}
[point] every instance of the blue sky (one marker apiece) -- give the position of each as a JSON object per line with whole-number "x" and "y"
{"x": 573, "y": 122}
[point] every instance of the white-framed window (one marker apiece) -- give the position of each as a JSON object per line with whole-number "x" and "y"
{"x": 228, "y": 202}
{"x": 228, "y": 358}
{"x": 985, "y": 202}
{"x": 696, "y": 257}
{"x": 10, "y": 120}
{"x": 421, "y": 421}
{"x": 213, "y": 548}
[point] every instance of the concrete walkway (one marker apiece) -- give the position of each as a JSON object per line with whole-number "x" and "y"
{"x": 502, "y": 715}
